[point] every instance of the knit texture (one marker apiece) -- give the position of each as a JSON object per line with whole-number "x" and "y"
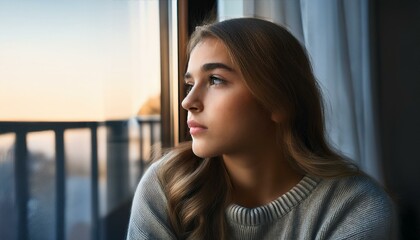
{"x": 338, "y": 208}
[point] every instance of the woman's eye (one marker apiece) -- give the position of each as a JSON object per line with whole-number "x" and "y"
{"x": 188, "y": 87}
{"x": 216, "y": 81}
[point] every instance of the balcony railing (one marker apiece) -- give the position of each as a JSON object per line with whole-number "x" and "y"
{"x": 117, "y": 139}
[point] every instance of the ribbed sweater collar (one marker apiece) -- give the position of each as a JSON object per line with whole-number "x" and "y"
{"x": 275, "y": 209}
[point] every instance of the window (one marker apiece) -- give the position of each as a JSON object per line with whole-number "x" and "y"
{"x": 80, "y": 87}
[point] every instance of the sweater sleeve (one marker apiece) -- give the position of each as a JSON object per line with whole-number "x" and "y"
{"x": 148, "y": 219}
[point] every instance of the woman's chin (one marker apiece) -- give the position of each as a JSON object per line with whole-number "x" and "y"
{"x": 202, "y": 151}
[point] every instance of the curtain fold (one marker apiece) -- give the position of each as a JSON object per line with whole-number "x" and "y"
{"x": 335, "y": 33}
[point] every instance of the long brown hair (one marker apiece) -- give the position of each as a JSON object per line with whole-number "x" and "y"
{"x": 278, "y": 73}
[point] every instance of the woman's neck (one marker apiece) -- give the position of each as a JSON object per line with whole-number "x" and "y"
{"x": 258, "y": 179}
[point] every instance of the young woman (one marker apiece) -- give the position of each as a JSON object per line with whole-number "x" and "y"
{"x": 258, "y": 166}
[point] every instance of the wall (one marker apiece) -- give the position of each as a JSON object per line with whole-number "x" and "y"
{"x": 396, "y": 40}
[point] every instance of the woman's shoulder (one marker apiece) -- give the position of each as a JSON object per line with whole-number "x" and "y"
{"x": 150, "y": 177}
{"x": 357, "y": 186}
{"x": 148, "y": 219}
{"x": 356, "y": 206}
{"x": 354, "y": 190}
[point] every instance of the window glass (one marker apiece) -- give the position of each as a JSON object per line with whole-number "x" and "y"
{"x": 90, "y": 71}
{"x": 77, "y": 60}
{"x": 78, "y": 183}
{"x": 41, "y": 202}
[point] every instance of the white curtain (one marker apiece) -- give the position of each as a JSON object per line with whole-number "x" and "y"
{"x": 335, "y": 33}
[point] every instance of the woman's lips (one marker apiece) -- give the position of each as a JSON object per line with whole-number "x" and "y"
{"x": 195, "y": 127}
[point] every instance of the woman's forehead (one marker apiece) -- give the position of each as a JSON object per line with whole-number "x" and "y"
{"x": 213, "y": 49}
{"x": 210, "y": 50}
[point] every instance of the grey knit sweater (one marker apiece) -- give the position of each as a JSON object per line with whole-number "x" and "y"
{"x": 340, "y": 208}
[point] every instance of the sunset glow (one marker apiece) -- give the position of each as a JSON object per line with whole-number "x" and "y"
{"x": 77, "y": 60}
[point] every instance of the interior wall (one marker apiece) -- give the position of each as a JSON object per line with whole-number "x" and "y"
{"x": 396, "y": 39}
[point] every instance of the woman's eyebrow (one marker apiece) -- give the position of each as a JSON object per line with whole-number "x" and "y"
{"x": 211, "y": 66}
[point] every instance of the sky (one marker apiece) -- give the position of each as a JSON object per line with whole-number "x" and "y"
{"x": 78, "y": 60}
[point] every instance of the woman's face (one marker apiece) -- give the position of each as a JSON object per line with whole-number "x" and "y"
{"x": 223, "y": 116}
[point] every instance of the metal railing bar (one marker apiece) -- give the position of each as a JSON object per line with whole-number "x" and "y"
{"x": 94, "y": 184}
{"x": 21, "y": 180}
{"x": 141, "y": 162}
{"x": 7, "y": 127}
{"x": 60, "y": 186}
{"x": 22, "y": 171}
{"x": 152, "y": 135}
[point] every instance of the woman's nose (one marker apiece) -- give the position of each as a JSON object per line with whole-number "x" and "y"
{"x": 193, "y": 102}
